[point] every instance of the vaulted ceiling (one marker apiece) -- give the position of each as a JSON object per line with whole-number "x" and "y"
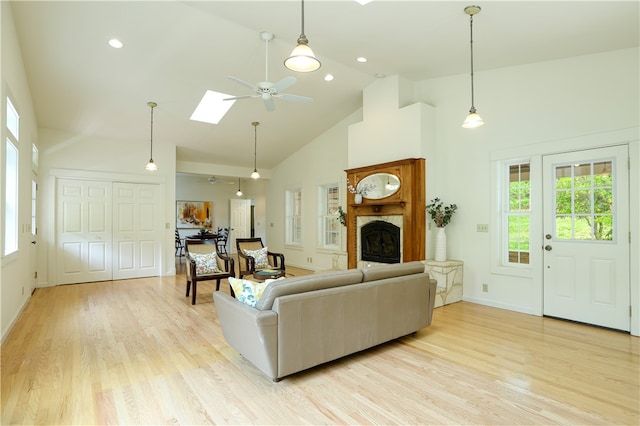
{"x": 176, "y": 50}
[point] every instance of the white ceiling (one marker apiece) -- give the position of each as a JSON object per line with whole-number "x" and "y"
{"x": 175, "y": 50}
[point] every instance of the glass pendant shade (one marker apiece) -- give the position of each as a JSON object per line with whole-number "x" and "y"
{"x": 151, "y": 166}
{"x": 255, "y": 174}
{"x": 302, "y": 58}
{"x": 239, "y": 193}
{"x": 473, "y": 120}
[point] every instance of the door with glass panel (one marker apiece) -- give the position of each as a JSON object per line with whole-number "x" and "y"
{"x": 586, "y": 237}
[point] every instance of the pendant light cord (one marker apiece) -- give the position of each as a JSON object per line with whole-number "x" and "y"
{"x": 471, "y": 44}
{"x": 302, "y": 14}
{"x": 151, "y": 156}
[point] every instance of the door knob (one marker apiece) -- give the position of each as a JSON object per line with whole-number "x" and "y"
{"x": 548, "y": 247}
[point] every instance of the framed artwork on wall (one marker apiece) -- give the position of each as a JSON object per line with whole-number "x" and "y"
{"x": 194, "y": 214}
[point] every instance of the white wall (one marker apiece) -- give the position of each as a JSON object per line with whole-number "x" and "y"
{"x": 320, "y": 162}
{"x": 528, "y": 109}
{"x": 16, "y": 275}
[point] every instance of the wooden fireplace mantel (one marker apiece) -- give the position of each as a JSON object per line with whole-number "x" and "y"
{"x": 408, "y": 201}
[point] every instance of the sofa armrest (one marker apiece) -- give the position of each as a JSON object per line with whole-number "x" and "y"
{"x": 252, "y": 332}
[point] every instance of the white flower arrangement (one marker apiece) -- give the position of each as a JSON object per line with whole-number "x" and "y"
{"x": 361, "y": 189}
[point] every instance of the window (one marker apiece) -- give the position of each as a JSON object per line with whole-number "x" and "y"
{"x": 11, "y": 199}
{"x": 13, "y": 121}
{"x": 34, "y": 192}
{"x": 518, "y": 213}
{"x": 584, "y": 201}
{"x": 10, "y": 243}
{"x": 293, "y": 211}
{"x": 328, "y": 223}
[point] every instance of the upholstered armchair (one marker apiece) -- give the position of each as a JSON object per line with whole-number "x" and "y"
{"x": 254, "y": 256}
{"x": 204, "y": 262}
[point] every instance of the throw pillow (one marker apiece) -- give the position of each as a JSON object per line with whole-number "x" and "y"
{"x": 206, "y": 263}
{"x": 247, "y": 291}
{"x": 260, "y": 257}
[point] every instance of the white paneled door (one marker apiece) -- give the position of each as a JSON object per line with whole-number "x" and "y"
{"x": 83, "y": 231}
{"x": 136, "y": 236}
{"x": 586, "y": 241}
{"x": 106, "y": 230}
{"x": 239, "y": 214}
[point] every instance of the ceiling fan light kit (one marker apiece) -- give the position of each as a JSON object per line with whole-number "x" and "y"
{"x": 266, "y": 90}
{"x": 302, "y": 58}
{"x": 151, "y": 166}
{"x": 473, "y": 120}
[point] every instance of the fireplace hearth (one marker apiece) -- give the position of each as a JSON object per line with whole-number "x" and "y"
{"x": 380, "y": 242}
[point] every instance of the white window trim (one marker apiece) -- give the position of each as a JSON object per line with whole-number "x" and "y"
{"x": 289, "y": 199}
{"x": 322, "y": 206}
{"x": 499, "y": 245}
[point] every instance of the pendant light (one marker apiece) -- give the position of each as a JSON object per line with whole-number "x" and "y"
{"x": 255, "y": 174}
{"x": 151, "y": 166}
{"x": 302, "y": 58}
{"x": 473, "y": 119}
{"x": 239, "y": 193}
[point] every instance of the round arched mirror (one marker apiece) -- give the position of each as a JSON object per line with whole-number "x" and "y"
{"x": 379, "y": 185}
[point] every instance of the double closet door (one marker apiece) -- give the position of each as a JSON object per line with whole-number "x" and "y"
{"x": 106, "y": 230}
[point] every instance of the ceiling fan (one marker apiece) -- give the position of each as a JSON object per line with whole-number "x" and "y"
{"x": 216, "y": 180}
{"x": 266, "y": 89}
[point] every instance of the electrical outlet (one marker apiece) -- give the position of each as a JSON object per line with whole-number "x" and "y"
{"x": 482, "y": 227}
{"x": 485, "y": 287}
{"x": 23, "y": 290}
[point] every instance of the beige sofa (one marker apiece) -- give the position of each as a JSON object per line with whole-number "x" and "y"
{"x": 304, "y": 321}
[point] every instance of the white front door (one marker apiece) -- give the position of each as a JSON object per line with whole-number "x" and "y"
{"x": 240, "y": 212}
{"x": 33, "y": 250}
{"x": 136, "y": 231}
{"x": 586, "y": 241}
{"x": 83, "y": 231}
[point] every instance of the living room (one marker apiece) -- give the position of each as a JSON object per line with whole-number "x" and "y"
{"x": 532, "y": 110}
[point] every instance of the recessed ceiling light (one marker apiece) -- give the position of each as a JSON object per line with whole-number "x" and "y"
{"x": 328, "y": 77}
{"x": 363, "y": 2}
{"x": 212, "y": 107}
{"x": 115, "y": 43}
{"x": 361, "y": 59}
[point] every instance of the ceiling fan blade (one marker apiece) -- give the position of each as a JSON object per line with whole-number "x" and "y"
{"x": 294, "y": 98}
{"x": 241, "y": 97}
{"x": 284, "y": 84}
{"x": 269, "y": 104}
{"x": 243, "y": 83}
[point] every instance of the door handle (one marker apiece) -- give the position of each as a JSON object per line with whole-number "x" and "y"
{"x": 548, "y": 247}
{"x": 33, "y": 242}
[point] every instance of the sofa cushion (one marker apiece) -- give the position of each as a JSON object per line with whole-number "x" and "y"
{"x": 307, "y": 283}
{"x": 380, "y": 272}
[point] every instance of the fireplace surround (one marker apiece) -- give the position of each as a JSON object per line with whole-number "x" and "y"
{"x": 408, "y": 202}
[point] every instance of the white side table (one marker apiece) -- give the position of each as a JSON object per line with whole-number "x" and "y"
{"x": 448, "y": 274}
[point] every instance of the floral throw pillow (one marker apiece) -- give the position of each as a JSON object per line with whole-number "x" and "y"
{"x": 206, "y": 263}
{"x": 260, "y": 256}
{"x": 247, "y": 291}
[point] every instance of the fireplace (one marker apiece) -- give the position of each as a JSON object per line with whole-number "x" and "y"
{"x": 405, "y": 209}
{"x": 380, "y": 242}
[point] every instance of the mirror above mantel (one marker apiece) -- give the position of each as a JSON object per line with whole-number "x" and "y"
{"x": 381, "y": 185}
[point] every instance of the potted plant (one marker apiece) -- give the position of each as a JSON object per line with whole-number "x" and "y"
{"x": 441, "y": 215}
{"x": 342, "y": 216}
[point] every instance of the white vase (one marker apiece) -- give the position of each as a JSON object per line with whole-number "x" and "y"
{"x": 441, "y": 246}
{"x": 358, "y": 198}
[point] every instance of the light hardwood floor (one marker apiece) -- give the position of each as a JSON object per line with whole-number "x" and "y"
{"x": 137, "y": 352}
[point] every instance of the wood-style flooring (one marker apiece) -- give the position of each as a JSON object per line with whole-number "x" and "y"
{"x": 137, "y": 352}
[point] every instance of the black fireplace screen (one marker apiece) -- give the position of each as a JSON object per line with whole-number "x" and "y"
{"x": 380, "y": 242}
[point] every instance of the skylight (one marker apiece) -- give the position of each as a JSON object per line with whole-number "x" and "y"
{"x": 212, "y": 108}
